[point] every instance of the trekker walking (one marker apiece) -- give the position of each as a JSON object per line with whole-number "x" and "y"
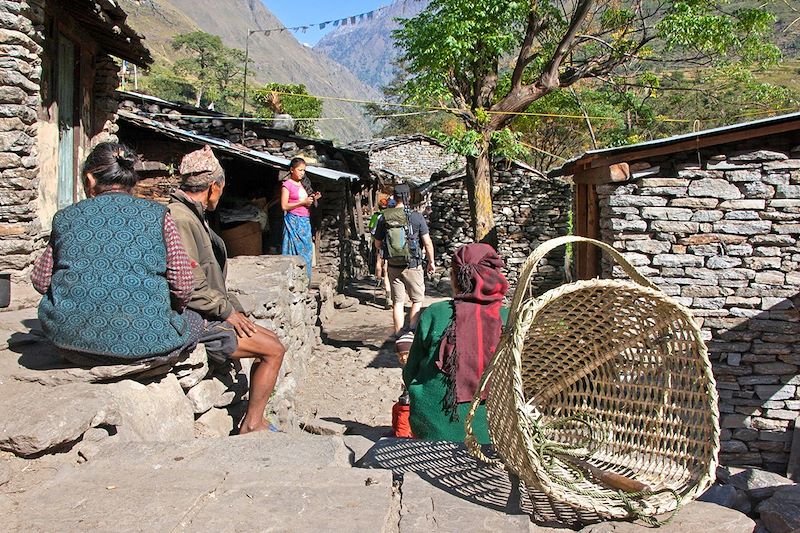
{"x": 397, "y": 238}
{"x": 202, "y": 183}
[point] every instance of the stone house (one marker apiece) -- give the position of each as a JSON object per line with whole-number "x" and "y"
{"x": 411, "y": 159}
{"x": 249, "y": 218}
{"x": 713, "y": 218}
{"x": 58, "y": 75}
{"x": 529, "y": 208}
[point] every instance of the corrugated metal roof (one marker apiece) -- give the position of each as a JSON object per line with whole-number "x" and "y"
{"x": 231, "y": 148}
{"x": 570, "y": 166}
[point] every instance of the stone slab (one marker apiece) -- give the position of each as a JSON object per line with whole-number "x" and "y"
{"x": 234, "y": 454}
{"x": 139, "y": 497}
{"x": 299, "y": 500}
{"x": 358, "y": 446}
{"x": 51, "y": 416}
{"x": 693, "y": 517}
{"x": 426, "y": 507}
{"x": 16, "y": 325}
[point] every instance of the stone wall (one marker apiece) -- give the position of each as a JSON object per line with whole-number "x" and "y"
{"x": 29, "y": 131}
{"x": 417, "y": 160}
{"x": 21, "y": 40}
{"x": 274, "y": 292}
{"x": 528, "y": 210}
{"x": 718, "y": 230}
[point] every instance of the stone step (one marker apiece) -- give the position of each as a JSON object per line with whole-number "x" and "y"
{"x": 237, "y": 454}
{"x": 208, "y": 497}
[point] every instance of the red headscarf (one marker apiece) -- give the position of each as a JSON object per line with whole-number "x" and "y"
{"x": 469, "y": 342}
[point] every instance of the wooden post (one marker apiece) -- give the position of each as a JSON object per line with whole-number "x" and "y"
{"x": 359, "y": 217}
{"x": 592, "y": 231}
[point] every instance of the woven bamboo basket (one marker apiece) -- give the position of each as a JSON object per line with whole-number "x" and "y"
{"x": 602, "y": 395}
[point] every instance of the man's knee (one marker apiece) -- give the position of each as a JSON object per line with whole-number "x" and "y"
{"x": 272, "y": 347}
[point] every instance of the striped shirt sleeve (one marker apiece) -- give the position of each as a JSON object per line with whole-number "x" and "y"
{"x": 42, "y": 272}
{"x": 179, "y": 266}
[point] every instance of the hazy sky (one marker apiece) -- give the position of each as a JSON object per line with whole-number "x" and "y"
{"x": 312, "y": 12}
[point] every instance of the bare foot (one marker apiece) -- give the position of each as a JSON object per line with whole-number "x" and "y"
{"x": 251, "y": 428}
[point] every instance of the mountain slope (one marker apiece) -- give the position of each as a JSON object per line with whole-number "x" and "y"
{"x": 277, "y": 56}
{"x": 367, "y": 48}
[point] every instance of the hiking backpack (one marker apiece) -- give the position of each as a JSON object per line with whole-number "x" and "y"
{"x": 398, "y": 248}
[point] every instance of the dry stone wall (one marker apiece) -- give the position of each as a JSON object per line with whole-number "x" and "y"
{"x": 417, "y": 160}
{"x": 274, "y": 293}
{"x": 528, "y": 210}
{"x": 721, "y": 236}
{"x": 21, "y": 40}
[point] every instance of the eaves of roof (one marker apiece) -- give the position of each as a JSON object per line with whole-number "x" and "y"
{"x": 104, "y": 21}
{"x": 225, "y": 146}
{"x": 680, "y": 143}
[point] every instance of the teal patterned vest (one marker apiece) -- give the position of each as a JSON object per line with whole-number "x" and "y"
{"x": 109, "y": 293}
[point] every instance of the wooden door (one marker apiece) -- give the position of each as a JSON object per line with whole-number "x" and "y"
{"x": 65, "y": 98}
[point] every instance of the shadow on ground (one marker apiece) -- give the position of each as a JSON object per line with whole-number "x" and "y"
{"x": 373, "y": 433}
{"x": 449, "y": 467}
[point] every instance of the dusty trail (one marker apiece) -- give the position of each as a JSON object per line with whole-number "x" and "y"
{"x": 355, "y": 378}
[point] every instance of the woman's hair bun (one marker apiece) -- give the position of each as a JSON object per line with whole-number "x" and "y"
{"x": 126, "y": 158}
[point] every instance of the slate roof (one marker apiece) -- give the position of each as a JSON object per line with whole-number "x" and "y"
{"x": 680, "y": 143}
{"x": 228, "y": 147}
{"x": 104, "y": 21}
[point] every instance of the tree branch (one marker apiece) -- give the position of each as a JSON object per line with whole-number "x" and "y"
{"x": 535, "y": 27}
{"x": 549, "y": 77}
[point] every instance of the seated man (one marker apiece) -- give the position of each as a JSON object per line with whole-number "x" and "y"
{"x": 202, "y": 183}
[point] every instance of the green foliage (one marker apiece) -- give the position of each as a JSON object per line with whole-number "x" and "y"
{"x": 162, "y": 81}
{"x": 696, "y": 25}
{"x": 269, "y": 101}
{"x": 461, "y": 141}
{"x": 505, "y": 143}
{"x": 458, "y": 39}
{"x": 461, "y": 53}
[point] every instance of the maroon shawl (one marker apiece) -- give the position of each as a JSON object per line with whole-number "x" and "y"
{"x": 469, "y": 342}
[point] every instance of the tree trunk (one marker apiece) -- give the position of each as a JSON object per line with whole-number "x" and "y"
{"x": 479, "y": 194}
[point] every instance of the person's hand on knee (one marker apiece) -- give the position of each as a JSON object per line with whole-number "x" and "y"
{"x": 244, "y": 326}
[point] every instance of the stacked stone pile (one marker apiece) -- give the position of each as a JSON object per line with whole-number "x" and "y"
{"x": 21, "y": 35}
{"x": 528, "y": 210}
{"x": 772, "y": 500}
{"x": 225, "y": 128}
{"x": 721, "y": 237}
{"x": 415, "y": 160}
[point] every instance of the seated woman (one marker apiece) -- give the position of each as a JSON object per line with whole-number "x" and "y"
{"x": 115, "y": 276}
{"x": 454, "y": 343}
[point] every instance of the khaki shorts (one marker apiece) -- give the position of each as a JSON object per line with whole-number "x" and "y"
{"x": 411, "y": 280}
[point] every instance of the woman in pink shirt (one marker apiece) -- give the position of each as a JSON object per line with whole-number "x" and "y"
{"x": 295, "y": 201}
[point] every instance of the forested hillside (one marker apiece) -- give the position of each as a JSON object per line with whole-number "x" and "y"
{"x": 276, "y": 56}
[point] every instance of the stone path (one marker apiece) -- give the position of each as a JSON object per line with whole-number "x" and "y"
{"x": 295, "y": 481}
{"x": 355, "y": 378}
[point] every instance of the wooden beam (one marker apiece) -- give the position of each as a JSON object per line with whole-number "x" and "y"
{"x": 586, "y": 224}
{"x": 615, "y": 173}
{"x": 592, "y": 231}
